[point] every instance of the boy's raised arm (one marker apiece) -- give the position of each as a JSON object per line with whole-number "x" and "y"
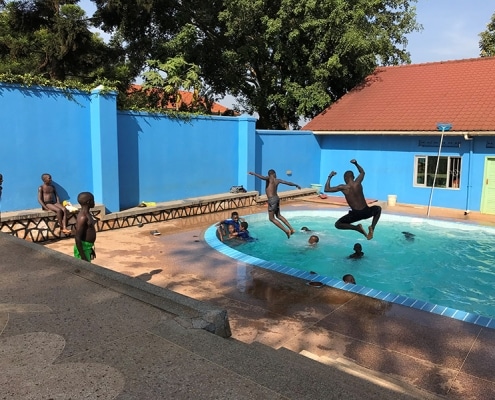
{"x": 289, "y": 183}
{"x": 258, "y": 175}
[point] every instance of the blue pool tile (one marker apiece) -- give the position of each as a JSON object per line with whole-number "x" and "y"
{"x": 461, "y": 315}
{"x": 299, "y": 273}
{"x": 381, "y": 295}
{"x": 391, "y": 297}
{"x": 270, "y": 265}
{"x": 306, "y": 275}
{"x": 471, "y": 318}
{"x": 339, "y": 285}
{"x": 408, "y": 302}
{"x": 265, "y": 264}
{"x": 491, "y": 324}
{"x": 428, "y": 307}
{"x": 419, "y": 304}
{"x": 482, "y": 321}
{"x": 355, "y": 288}
{"x": 371, "y": 292}
{"x": 447, "y": 312}
{"x": 400, "y": 299}
{"x": 332, "y": 281}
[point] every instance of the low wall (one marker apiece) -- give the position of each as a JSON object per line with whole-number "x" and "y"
{"x": 38, "y": 225}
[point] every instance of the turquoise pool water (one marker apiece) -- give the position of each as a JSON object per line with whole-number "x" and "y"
{"x": 445, "y": 266}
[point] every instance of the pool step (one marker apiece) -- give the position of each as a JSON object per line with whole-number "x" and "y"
{"x": 287, "y": 374}
{"x": 377, "y": 378}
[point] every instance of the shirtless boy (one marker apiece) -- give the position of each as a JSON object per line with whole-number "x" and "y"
{"x": 353, "y": 192}
{"x": 358, "y": 251}
{"x": 85, "y": 228}
{"x": 48, "y": 198}
{"x": 274, "y": 215}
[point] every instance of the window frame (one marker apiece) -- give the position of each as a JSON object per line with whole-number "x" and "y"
{"x": 450, "y": 174}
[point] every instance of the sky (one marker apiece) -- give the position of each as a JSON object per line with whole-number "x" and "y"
{"x": 451, "y": 29}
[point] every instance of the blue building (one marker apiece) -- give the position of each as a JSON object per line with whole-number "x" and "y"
{"x": 403, "y": 119}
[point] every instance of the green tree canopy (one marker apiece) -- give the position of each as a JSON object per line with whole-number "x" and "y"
{"x": 487, "y": 42}
{"x": 52, "y": 38}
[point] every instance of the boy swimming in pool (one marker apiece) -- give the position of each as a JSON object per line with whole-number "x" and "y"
{"x": 353, "y": 192}
{"x": 358, "y": 251}
{"x": 348, "y": 278}
{"x": 243, "y": 233}
{"x": 274, "y": 215}
{"x": 313, "y": 240}
{"x": 234, "y": 221}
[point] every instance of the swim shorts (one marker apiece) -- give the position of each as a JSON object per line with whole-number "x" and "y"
{"x": 274, "y": 204}
{"x": 88, "y": 249}
{"x": 358, "y": 215}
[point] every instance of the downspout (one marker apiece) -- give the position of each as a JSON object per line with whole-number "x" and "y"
{"x": 443, "y": 128}
{"x": 470, "y": 164}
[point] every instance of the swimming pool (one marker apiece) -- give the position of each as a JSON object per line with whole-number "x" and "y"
{"x": 445, "y": 268}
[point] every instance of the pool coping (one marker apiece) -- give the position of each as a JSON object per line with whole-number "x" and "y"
{"x": 212, "y": 240}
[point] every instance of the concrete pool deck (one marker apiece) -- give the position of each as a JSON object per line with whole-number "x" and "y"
{"x": 364, "y": 347}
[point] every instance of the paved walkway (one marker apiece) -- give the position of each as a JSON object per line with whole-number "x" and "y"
{"x": 69, "y": 331}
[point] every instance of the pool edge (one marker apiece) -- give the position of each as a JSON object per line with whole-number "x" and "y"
{"x": 210, "y": 237}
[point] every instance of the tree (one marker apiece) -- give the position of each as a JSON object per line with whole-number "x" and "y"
{"x": 51, "y": 38}
{"x": 299, "y": 56}
{"x": 283, "y": 59}
{"x": 487, "y": 42}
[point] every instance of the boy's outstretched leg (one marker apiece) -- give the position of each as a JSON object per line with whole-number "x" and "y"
{"x": 376, "y": 212}
{"x": 278, "y": 224}
{"x": 282, "y": 218}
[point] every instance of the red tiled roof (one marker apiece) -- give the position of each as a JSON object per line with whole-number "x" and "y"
{"x": 416, "y": 97}
{"x": 186, "y": 98}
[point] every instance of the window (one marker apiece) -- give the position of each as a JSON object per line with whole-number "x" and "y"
{"x": 448, "y": 173}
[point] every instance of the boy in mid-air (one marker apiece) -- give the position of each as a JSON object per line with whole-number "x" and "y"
{"x": 274, "y": 215}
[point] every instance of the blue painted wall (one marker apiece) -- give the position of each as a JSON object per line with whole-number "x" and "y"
{"x": 162, "y": 159}
{"x": 42, "y": 131}
{"x": 295, "y": 151}
{"x": 127, "y": 157}
{"x": 389, "y": 165}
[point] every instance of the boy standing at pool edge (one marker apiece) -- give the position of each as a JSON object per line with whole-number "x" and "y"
{"x": 274, "y": 215}
{"x": 85, "y": 228}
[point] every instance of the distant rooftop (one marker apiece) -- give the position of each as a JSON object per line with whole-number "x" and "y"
{"x": 186, "y": 98}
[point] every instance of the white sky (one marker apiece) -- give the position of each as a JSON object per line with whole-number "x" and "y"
{"x": 451, "y": 29}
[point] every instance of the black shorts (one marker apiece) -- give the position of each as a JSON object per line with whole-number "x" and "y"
{"x": 358, "y": 215}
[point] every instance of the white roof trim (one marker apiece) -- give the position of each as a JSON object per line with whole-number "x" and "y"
{"x": 407, "y": 133}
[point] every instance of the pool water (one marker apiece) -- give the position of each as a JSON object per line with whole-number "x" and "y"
{"x": 440, "y": 262}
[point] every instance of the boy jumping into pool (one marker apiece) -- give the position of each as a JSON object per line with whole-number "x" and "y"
{"x": 353, "y": 192}
{"x": 274, "y": 215}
